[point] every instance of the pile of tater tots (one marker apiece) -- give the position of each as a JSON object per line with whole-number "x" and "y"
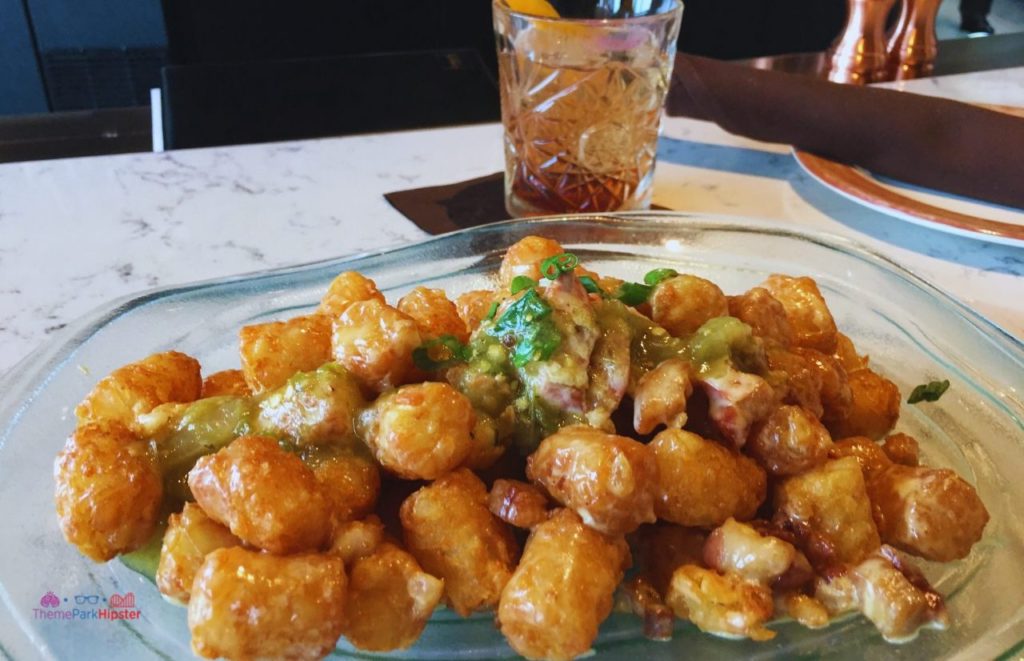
{"x": 558, "y": 447}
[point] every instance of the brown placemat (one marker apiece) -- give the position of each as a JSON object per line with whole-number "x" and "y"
{"x": 458, "y": 206}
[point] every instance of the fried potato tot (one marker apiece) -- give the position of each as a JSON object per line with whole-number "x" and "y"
{"x": 809, "y": 317}
{"x": 473, "y": 306}
{"x": 518, "y": 503}
{"x": 661, "y": 395}
{"x": 683, "y": 303}
{"x": 902, "y": 449}
{"x": 764, "y": 314}
{"x": 451, "y": 533}
{"x": 272, "y": 352}
{"x": 702, "y": 483}
{"x": 725, "y": 605}
{"x": 847, "y": 355}
{"x": 249, "y": 605}
{"x": 806, "y": 610}
{"x": 266, "y": 496}
{"x": 930, "y": 512}
{"x": 225, "y": 382}
{"x": 357, "y": 539}
{"x": 790, "y": 441}
{"x": 895, "y": 597}
{"x": 828, "y": 508}
{"x": 348, "y": 288}
{"x": 562, "y": 589}
{"x": 737, "y": 548}
{"x": 374, "y": 342}
{"x": 868, "y": 454}
{"x": 139, "y": 387}
{"x": 524, "y": 258}
{"x": 609, "y": 480}
{"x": 189, "y": 538}
{"x": 420, "y": 431}
{"x": 349, "y": 478}
{"x": 802, "y": 384}
{"x": 434, "y": 313}
{"x": 389, "y": 600}
{"x": 835, "y": 394}
{"x": 108, "y": 490}
{"x": 874, "y": 407}
{"x": 313, "y": 408}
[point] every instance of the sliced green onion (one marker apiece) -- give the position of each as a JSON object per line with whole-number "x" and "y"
{"x": 453, "y": 352}
{"x": 491, "y": 311}
{"x": 521, "y": 282}
{"x": 659, "y": 275}
{"x": 592, "y": 287}
{"x": 552, "y": 267}
{"x": 526, "y": 326}
{"x": 928, "y": 392}
{"x": 633, "y": 293}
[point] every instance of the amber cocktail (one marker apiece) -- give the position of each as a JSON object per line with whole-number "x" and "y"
{"x": 581, "y": 101}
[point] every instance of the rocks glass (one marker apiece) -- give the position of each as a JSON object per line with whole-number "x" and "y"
{"x": 581, "y": 102}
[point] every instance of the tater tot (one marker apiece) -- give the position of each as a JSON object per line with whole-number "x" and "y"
{"x": 874, "y": 407}
{"x": 420, "y": 431}
{"x": 273, "y": 351}
{"x": 266, "y": 496}
{"x": 312, "y": 408}
{"x": 847, "y": 354}
{"x": 350, "y": 480}
{"x": 434, "y": 313}
{"x": 802, "y": 383}
{"x": 249, "y": 605}
{"x": 902, "y": 449}
{"x": 473, "y": 306}
{"x": 809, "y": 317}
{"x": 609, "y": 480}
{"x": 357, "y": 539}
{"x": 225, "y": 382}
{"x": 789, "y": 441}
{"x": 108, "y": 490}
{"x": 682, "y": 304}
{"x": 661, "y": 395}
{"x": 835, "y": 395}
{"x": 721, "y": 604}
{"x": 518, "y": 503}
{"x": 389, "y": 600}
{"x": 347, "y": 288}
{"x": 562, "y": 589}
{"x": 764, "y": 314}
{"x": 451, "y": 533}
{"x": 897, "y": 604}
{"x": 374, "y": 342}
{"x": 739, "y": 549}
{"x": 807, "y": 611}
{"x": 524, "y": 258}
{"x": 189, "y": 538}
{"x": 868, "y": 454}
{"x": 930, "y": 512}
{"x": 702, "y": 483}
{"x": 828, "y": 508}
{"x": 140, "y": 387}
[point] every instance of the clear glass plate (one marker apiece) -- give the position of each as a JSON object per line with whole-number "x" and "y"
{"x": 913, "y": 332}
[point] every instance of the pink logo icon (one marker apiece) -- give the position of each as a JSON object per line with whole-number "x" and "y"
{"x": 49, "y": 600}
{"x": 127, "y": 600}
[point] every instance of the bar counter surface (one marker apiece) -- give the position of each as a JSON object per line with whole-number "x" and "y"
{"x": 77, "y": 233}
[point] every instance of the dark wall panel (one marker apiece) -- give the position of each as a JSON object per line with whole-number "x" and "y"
{"x": 21, "y": 85}
{"x": 87, "y": 24}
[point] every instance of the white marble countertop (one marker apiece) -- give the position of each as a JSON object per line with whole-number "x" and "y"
{"x": 77, "y": 233}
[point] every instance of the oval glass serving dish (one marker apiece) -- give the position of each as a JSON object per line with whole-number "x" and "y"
{"x": 913, "y": 332}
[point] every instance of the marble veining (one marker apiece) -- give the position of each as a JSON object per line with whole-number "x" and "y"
{"x": 77, "y": 233}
